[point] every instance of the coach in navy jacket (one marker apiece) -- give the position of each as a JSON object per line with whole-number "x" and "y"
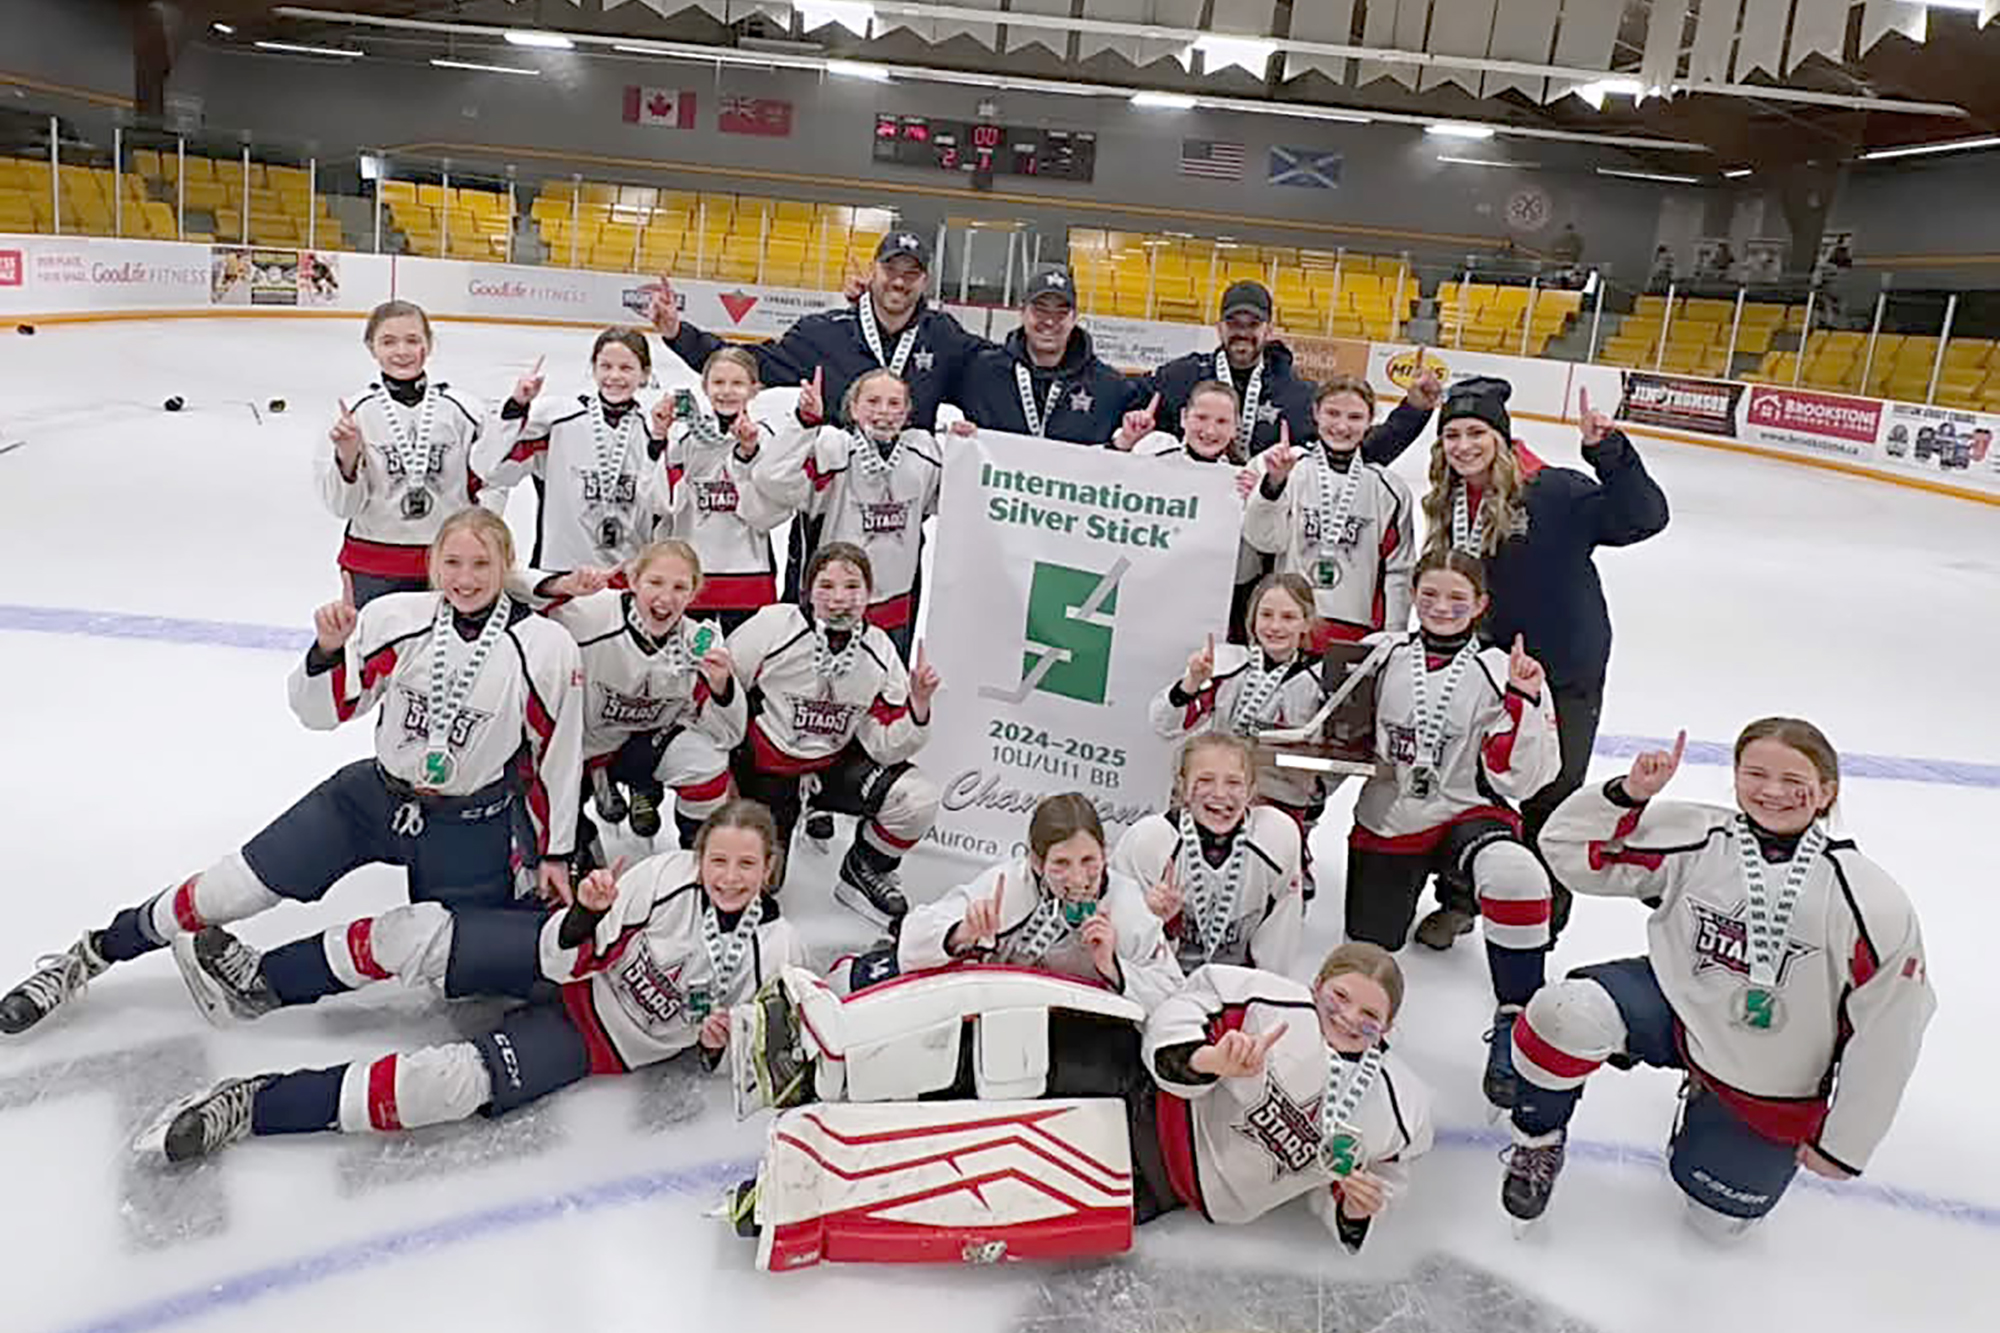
{"x": 1047, "y": 367}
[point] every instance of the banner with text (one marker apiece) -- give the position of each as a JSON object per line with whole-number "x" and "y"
{"x": 1680, "y": 403}
{"x": 1069, "y": 586}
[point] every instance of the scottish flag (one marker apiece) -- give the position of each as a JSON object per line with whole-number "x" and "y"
{"x": 1306, "y": 167}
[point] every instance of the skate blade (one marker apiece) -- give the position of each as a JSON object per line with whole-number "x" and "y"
{"x": 855, "y": 901}
{"x": 150, "y": 1143}
{"x": 207, "y": 996}
{"x": 1527, "y": 1228}
{"x": 1495, "y": 1114}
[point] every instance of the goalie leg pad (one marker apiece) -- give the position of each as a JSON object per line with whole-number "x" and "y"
{"x": 945, "y": 1182}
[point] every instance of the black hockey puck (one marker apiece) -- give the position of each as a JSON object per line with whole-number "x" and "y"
{"x": 174, "y": 404}
{"x": 27, "y": 330}
{"x": 275, "y": 405}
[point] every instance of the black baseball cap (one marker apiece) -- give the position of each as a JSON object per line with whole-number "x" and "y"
{"x": 1052, "y": 280}
{"x": 1246, "y": 297}
{"x": 910, "y": 243}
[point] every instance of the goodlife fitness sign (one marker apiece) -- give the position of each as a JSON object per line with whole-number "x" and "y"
{"x": 1828, "y": 422}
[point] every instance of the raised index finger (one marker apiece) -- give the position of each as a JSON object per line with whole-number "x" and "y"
{"x": 1680, "y": 745}
{"x": 1583, "y": 400}
{"x": 1266, "y": 1040}
{"x": 1153, "y": 408}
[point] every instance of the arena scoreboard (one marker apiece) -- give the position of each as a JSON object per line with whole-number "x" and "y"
{"x": 978, "y": 146}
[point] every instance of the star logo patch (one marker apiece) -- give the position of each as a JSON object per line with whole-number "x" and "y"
{"x": 1081, "y": 401}
{"x": 1287, "y": 1130}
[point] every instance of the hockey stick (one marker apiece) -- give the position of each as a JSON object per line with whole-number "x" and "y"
{"x": 1310, "y": 729}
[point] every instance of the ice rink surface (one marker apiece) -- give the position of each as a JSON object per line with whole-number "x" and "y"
{"x": 155, "y": 570}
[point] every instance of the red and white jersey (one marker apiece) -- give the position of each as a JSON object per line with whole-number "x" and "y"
{"x": 633, "y": 684}
{"x": 556, "y": 442}
{"x": 1360, "y": 577}
{"x": 799, "y": 723}
{"x": 1264, "y": 926}
{"x": 1171, "y": 449}
{"x": 1852, "y": 996}
{"x": 639, "y": 984}
{"x": 386, "y": 536}
{"x": 1498, "y": 747}
{"x": 1298, "y": 697}
{"x": 1242, "y": 1146}
{"x": 1148, "y": 972}
{"x": 821, "y": 472}
{"x": 709, "y": 497}
{"x": 527, "y": 704}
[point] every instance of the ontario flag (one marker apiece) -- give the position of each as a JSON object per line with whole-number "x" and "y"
{"x": 669, "y": 108}
{"x": 769, "y": 116}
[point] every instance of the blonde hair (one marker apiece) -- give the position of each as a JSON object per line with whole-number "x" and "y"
{"x": 491, "y": 530}
{"x": 1505, "y": 512}
{"x": 389, "y": 310}
{"x": 1243, "y": 750}
{"x": 1362, "y": 959}
{"x": 854, "y": 391}
{"x": 741, "y": 357}
{"x": 668, "y": 548}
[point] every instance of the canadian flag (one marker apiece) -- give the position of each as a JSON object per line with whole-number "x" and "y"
{"x": 669, "y": 107}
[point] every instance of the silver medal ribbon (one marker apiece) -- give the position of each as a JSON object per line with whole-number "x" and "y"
{"x": 872, "y": 461}
{"x": 1429, "y": 721}
{"x": 1038, "y": 422}
{"x": 412, "y": 443}
{"x": 1468, "y": 533}
{"x": 672, "y": 644}
{"x": 1214, "y": 894}
{"x": 871, "y": 333}
{"x": 1253, "y": 396}
{"x": 725, "y": 956}
{"x": 1766, "y": 924}
{"x": 450, "y": 690}
{"x": 827, "y": 664}
{"x": 1335, "y": 510}
{"x": 705, "y": 429}
{"x": 1347, "y": 1082}
{"x": 1044, "y": 926}
{"x": 612, "y": 445}
{"x": 1259, "y": 690}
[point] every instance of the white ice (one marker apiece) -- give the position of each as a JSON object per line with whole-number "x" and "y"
{"x": 129, "y": 764}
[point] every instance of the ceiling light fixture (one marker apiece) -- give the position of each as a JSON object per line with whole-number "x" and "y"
{"x": 1737, "y": 173}
{"x": 1158, "y": 101}
{"x": 857, "y": 69}
{"x": 1661, "y": 177}
{"x": 1486, "y": 162}
{"x": 1595, "y": 92}
{"x": 546, "y": 41}
{"x": 1458, "y": 129}
{"x": 445, "y": 62}
{"x": 294, "y": 48}
{"x": 1919, "y": 149}
{"x": 226, "y": 29}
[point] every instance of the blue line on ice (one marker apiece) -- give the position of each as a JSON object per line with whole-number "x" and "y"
{"x": 377, "y": 1251}
{"x": 231, "y": 634}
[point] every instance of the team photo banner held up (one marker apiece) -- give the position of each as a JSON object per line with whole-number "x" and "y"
{"x": 1069, "y": 585}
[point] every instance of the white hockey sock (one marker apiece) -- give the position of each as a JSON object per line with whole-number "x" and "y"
{"x": 227, "y": 891}
{"x": 410, "y": 943}
{"x": 409, "y": 1089}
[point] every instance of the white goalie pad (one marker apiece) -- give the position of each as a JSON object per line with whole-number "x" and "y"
{"x": 900, "y": 1039}
{"x": 944, "y": 1182}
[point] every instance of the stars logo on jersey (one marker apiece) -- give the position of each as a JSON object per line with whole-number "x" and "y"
{"x": 622, "y": 491}
{"x": 392, "y": 461}
{"x": 923, "y": 360}
{"x": 1721, "y": 940}
{"x": 822, "y": 717}
{"x": 715, "y": 497}
{"x": 1081, "y": 401}
{"x": 416, "y": 721}
{"x": 1288, "y": 1130}
{"x": 884, "y": 517}
{"x": 650, "y": 991}
{"x": 1403, "y": 742}
{"x": 631, "y": 712}
{"x": 1350, "y": 533}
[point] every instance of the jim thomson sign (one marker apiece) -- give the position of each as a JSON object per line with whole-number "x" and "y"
{"x": 1070, "y": 584}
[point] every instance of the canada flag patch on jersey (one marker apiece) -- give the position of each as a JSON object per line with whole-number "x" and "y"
{"x": 1721, "y": 940}
{"x": 1288, "y": 1130}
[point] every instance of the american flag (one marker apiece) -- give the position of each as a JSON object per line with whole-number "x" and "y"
{"x": 1212, "y": 158}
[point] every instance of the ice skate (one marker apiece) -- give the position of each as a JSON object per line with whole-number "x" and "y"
{"x": 57, "y": 979}
{"x": 1500, "y": 1084}
{"x": 604, "y": 795}
{"x": 224, "y": 976}
{"x": 869, "y": 890}
{"x": 645, "y": 813}
{"x": 768, "y": 1065}
{"x": 201, "y": 1125}
{"x": 1442, "y": 928}
{"x": 1533, "y": 1163}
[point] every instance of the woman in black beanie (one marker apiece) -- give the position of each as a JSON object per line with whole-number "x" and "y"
{"x": 1536, "y": 528}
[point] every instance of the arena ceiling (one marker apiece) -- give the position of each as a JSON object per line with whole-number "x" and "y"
{"x": 1756, "y": 83}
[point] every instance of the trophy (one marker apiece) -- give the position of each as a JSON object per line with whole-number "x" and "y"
{"x": 1340, "y": 737}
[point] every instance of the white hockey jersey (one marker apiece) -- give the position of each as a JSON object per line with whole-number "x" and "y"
{"x": 1148, "y": 972}
{"x": 392, "y": 515}
{"x": 1262, "y": 927}
{"x": 1242, "y": 1146}
{"x": 1173, "y": 450}
{"x": 638, "y": 986}
{"x": 633, "y": 684}
{"x": 821, "y": 472}
{"x": 1498, "y": 748}
{"x": 800, "y": 723}
{"x": 584, "y": 518}
{"x": 1298, "y": 697}
{"x": 1361, "y": 577}
{"x": 1853, "y": 994}
{"x": 706, "y": 495}
{"x": 526, "y": 704}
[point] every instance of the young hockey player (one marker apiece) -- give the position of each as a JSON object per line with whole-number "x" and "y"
{"x": 638, "y": 969}
{"x": 830, "y": 699}
{"x": 1208, "y": 428}
{"x": 1784, "y": 974}
{"x": 1228, "y": 870}
{"x": 587, "y": 456}
{"x": 1059, "y": 908}
{"x": 476, "y": 770}
{"x": 708, "y": 494}
{"x": 662, "y": 709}
{"x": 870, "y": 486}
{"x": 401, "y": 461}
{"x": 1467, "y": 733}
{"x": 1244, "y": 691}
{"x": 1345, "y": 525}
